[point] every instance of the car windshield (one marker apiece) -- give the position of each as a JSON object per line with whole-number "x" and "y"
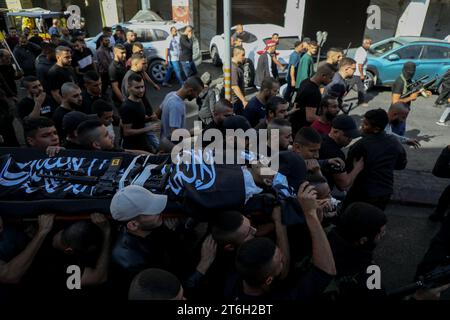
{"x": 380, "y": 49}
{"x": 246, "y": 36}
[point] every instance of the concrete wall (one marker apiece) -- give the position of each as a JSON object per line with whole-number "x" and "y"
{"x": 437, "y": 21}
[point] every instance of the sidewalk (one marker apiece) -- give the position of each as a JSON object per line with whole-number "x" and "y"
{"x": 415, "y": 187}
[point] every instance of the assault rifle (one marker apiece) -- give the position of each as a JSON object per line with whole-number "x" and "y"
{"x": 436, "y": 278}
{"x": 419, "y": 86}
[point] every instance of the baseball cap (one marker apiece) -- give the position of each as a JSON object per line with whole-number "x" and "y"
{"x": 347, "y": 124}
{"x": 132, "y": 201}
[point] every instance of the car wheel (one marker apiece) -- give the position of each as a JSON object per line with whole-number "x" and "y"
{"x": 369, "y": 81}
{"x": 215, "y": 57}
{"x": 157, "y": 71}
{"x": 249, "y": 73}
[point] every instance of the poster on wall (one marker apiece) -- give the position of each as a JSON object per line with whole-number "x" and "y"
{"x": 180, "y": 11}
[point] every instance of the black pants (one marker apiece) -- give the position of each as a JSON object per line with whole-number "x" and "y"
{"x": 361, "y": 90}
{"x": 105, "y": 82}
{"x": 289, "y": 93}
{"x": 444, "y": 201}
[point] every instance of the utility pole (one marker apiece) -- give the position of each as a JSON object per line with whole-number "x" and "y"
{"x": 227, "y": 57}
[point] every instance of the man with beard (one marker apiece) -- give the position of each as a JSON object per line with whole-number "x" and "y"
{"x": 334, "y": 56}
{"x": 329, "y": 109}
{"x": 256, "y": 108}
{"x": 71, "y": 100}
{"x": 116, "y": 72}
{"x": 173, "y": 109}
{"x": 92, "y": 91}
{"x": 134, "y": 116}
{"x": 338, "y": 87}
{"x": 82, "y": 60}
{"x": 36, "y": 103}
{"x": 307, "y": 102}
{"x": 237, "y": 81}
{"x": 343, "y": 131}
{"x": 399, "y": 88}
{"x": 44, "y": 62}
{"x": 276, "y": 108}
{"x": 382, "y": 155}
{"x": 398, "y": 112}
{"x": 104, "y": 59}
{"x": 25, "y": 53}
{"x": 60, "y": 73}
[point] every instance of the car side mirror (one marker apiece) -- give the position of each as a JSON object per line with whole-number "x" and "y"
{"x": 393, "y": 57}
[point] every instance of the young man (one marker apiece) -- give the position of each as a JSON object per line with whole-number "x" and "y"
{"x": 265, "y": 66}
{"x": 276, "y": 108}
{"x": 40, "y": 133}
{"x": 71, "y": 100}
{"x": 361, "y": 65}
{"x": 294, "y": 60}
{"x": 26, "y": 53}
{"x": 82, "y": 60}
{"x": 382, "y": 155}
{"x": 306, "y": 64}
{"x": 36, "y": 103}
{"x": 70, "y": 124}
{"x": 237, "y": 81}
{"x": 284, "y": 129}
{"x": 104, "y": 59}
{"x": 173, "y": 58}
{"x": 92, "y": 92}
{"x": 343, "y": 131}
{"x": 329, "y": 109}
{"x": 307, "y": 102}
{"x": 338, "y": 87}
{"x": 186, "y": 54}
{"x": 93, "y": 135}
{"x": 44, "y": 62}
{"x": 131, "y": 38}
{"x": 60, "y": 73}
{"x": 397, "y": 113}
{"x": 104, "y": 111}
{"x": 256, "y": 108}
{"x": 116, "y": 72}
{"x": 222, "y": 110}
{"x": 334, "y": 56}
{"x": 135, "y": 115}
{"x": 173, "y": 109}
{"x": 36, "y": 38}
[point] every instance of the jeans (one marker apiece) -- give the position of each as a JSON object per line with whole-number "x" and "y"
{"x": 189, "y": 68}
{"x": 152, "y": 140}
{"x": 445, "y": 113}
{"x": 361, "y": 90}
{"x": 174, "y": 66}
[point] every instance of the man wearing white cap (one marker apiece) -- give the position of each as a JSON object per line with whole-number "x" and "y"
{"x": 142, "y": 239}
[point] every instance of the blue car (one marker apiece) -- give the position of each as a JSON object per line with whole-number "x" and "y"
{"x": 387, "y": 57}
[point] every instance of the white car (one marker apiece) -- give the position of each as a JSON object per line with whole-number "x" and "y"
{"x": 152, "y": 34}
{"x": 253, "y": 41}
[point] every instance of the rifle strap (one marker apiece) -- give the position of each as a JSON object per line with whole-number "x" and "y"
{"x": 405, "y": 84}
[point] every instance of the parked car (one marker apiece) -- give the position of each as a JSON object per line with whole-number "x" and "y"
{"x": 387, "y": 57}
{"x": 152, "y": 34}
{"x": 253, "y": 41}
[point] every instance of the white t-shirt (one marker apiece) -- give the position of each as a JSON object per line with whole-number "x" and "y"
{"x": 360, "y": 58}
{"x": 173, "y": 44}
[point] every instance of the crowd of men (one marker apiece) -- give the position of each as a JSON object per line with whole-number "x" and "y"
{"x": 80, "y": 101}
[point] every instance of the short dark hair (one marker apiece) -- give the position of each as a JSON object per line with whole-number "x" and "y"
{"x": 101, "y": 106}
{"x": 60, "y": 49}
{"x": 48, "y": 47}
{"x": 224, "y": 224}
{"x": 254, "y": 260}
{"x": 268, "y": 83}
{"x": 297, "y": 43}
{"x": 32, "y": 125}
{"x": 237, "y": 49}
{"x": 29, "y": 79}
{"x": 279, "y": 123}
{"x": 194, "y": 82}
{"x": 120, "y": 46}
{"x": 307, "y": 135}
{"x": 325, "y": 69}
{"x": 134, "y": 77}
{"x": 275, "y": 34}
{"x": 361, "y": 220}
{"x": 103, "y": 36}
{"x": 154, "y": 284}
{"x": 325, "y": 101}
{"x": 273, "y": 103}
{"x": 91, "y": 75}
{"x": 377, "y": 118}
{"x": 107, "y": 29}
{"x": 314, "y": 43}
{"x": 138, "y": 44}
{"x": 137, "y": 56}
{"x": 84, "y": 237}
{"x": 346, "y": 61}
{"x": 86, "y": 131}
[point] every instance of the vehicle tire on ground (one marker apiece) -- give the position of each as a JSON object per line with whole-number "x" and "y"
{"x": 215, "y": 57}
{"x": 157, "y": 70}
{"x": 369, "y": 81}
{"x": 249, "y": 73}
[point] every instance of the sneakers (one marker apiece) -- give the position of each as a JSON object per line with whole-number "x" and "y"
{"x": 443, "y": 124}
{"x": 167, "y": 85}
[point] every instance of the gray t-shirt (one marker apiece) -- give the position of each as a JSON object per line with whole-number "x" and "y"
{"x": 173, "y": 114}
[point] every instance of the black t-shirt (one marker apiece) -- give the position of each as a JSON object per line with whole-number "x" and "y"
{"x": 26, "y": 106}
{"x": 72, "y": 145}
{"x": 57, "y": 76}
{"x": 36, "y": 40}
{"x": 58, "y": 116}
{"x": 398, "y": 87}
{"x": 83, "y": 60}
{"x": 308, "y": 95}
{"x": 134, "y": 113}
{"x": 237, "y": 79}
{"x": 117, "y": 71}
{"x": 328, "y": 150}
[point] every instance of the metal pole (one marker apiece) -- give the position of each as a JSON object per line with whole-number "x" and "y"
{"x": 227, "y": 55}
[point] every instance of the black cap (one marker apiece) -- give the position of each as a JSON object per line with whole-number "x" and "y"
{"x": 347, "y": 124}
{"x": 236, "y": 122}
{"x": 73, "y": 119}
